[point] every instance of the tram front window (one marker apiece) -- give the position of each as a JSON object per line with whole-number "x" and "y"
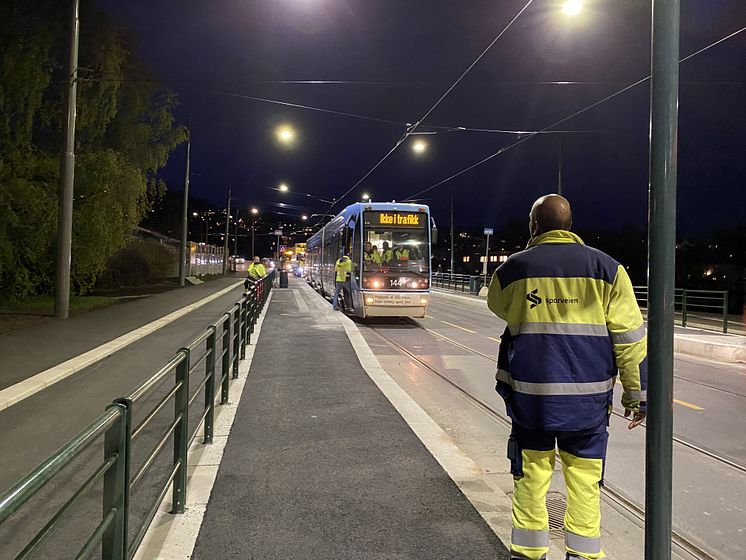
{"x": 396, "y": 258}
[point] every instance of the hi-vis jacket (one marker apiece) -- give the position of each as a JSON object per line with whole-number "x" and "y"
{"x": 342, "y": 268}
{"x": 572, "y": 322}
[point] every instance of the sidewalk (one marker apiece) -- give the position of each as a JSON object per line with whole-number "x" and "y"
{"x": 320, "y": 465}
{"x": 24, "y": 353}
{"x": 709, "y": 345}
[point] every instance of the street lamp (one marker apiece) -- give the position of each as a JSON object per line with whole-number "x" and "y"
{"x": 285, "y": 134}
{"x": 572, "y": 7}
{"x": 304, "y": 217}
{"x": 419, "y": 147}
{"x": 254, "y": 212}
{"x": 366, "y": 197}
{"x": 283, "y": 187}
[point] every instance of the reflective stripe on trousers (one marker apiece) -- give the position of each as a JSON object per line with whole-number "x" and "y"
{"x": 530, "y": 536}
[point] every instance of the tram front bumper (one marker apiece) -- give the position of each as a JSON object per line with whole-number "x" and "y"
{"x": 378, "y": 304}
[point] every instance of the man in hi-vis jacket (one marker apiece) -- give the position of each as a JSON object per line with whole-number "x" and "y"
{"x": 573, "y": 322}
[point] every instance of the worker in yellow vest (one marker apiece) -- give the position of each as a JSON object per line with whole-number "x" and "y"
{"x": 401, "y": 254}
{"x": 387, "y": 255}
{"x": 342, "y": 273}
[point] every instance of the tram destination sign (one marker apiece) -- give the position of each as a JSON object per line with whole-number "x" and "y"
{"x": 395, "y": 219}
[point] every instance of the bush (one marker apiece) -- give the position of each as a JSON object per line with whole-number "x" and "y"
{"x": 139, "y": 262}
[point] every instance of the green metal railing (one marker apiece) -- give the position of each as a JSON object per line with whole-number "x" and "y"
{"x": 471, "y": 283}
{"x": 112, "y": 533}
{"x": 706, "y": 308}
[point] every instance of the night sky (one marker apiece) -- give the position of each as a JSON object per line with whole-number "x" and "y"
{"x": 405, "y": 54}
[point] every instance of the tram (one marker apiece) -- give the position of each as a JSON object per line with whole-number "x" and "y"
{"x": 389, "y": 244}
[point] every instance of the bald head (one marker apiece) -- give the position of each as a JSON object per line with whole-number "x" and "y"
{"x": 550, "y": 212}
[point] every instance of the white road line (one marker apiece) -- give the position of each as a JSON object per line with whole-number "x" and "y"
{"x": 302, "y": 305}
{"x": 491, "y": 502}
{"x": 24, "y": 389}
{"x": 172, "y": 537}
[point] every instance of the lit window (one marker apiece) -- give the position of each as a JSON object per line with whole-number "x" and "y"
{"x": 503, "y": 258}
{"x": 467, "y": 259}
{"x": 481, "y": 259}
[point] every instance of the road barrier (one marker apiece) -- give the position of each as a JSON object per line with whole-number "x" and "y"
{"x": 232, "y": 332}
{"x": 705, "y": 308}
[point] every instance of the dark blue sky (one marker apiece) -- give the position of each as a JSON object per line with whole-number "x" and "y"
{"x": 205, "y": 50}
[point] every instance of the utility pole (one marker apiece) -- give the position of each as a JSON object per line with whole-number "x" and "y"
{"x": 559, "y": 165}
{"x": 235, "y": 239}
{"x": 453, "y": 235}
{"x": 67, "y": 175}
{"x": 253, "y": 223}
{"x": 487, "y": 232}
{"x": 185, "y": 214}
{"x": 227, "y": 232}
{"x": 664, "y": 93}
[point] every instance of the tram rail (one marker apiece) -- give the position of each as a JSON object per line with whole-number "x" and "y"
{"x": 612, "y": 493}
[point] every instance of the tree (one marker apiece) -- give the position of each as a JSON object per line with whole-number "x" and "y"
{"x": 125, "y": 133}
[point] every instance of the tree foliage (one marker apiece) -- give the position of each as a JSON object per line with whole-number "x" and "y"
{"x": 125, "y": 133}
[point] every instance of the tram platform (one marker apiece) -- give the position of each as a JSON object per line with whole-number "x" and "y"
{"x": 320, "y": 464}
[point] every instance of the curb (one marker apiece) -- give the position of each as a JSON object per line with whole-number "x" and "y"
{"x": 683, "y": 344}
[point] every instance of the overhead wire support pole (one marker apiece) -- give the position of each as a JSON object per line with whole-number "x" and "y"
{"x": 662, "y": 269}
{"x": 227, "y": 233}
{"x": 67, "y": 175}
{"x": 185, "y": 214}
{"x": 453, "y": 235}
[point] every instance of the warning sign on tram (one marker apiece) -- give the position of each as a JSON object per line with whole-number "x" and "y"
{"x": 395, "y": 219}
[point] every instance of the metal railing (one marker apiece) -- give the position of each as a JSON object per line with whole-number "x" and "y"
{"x": 116, "y": 426}
{"x": 705, "y": 308}
{"x": 458, "y": 282}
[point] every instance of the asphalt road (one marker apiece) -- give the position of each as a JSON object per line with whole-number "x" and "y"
{"x": 709, "y": 412}
{"x": 36, "y": 427}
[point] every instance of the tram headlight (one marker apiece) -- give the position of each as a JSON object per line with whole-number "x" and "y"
{"x": 423, "y": 301}
{"x": 376, "y": 284}
{"x": 369, "y": 300}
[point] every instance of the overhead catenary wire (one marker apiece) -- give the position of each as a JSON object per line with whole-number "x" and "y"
{"x": 565, "y": 119}
{"x": 414, "y": 127}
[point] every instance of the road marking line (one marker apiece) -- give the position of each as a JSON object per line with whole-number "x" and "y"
{"x": 459, "y": 327}
{"x": 495, "y": 339}
{"x": 32, "y": 385}
{"x": 480, "y": 489}
{"x": 688, "y": 405}
{"x": 429, "y": 316}
{"x": 302, "y": 305}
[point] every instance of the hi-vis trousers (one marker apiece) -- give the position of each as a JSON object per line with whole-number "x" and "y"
{"x": 532, "y": 454}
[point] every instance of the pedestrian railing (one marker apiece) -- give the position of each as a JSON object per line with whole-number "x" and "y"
{"x": 224, "y": 342}
{"x": 458, "y": 282}
{"x": 705, "y": 308}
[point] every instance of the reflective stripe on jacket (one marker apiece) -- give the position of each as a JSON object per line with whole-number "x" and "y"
{"x": 573, "y": 320}
{"x": 343, "y": 267}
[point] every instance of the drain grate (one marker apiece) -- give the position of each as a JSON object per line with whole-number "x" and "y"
{"x": 556, "y": 511}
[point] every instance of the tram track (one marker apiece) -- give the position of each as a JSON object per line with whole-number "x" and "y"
{"x": 612, "y": 493}
{"x": 677, "y": 439}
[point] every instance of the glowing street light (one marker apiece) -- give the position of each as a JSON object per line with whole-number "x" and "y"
{"x": 283, "y": 187}
{"x": 572, "y": 7}
{"x": 419, "y": 147}
{"x": 304, "y": 217}
{"x": 285, "y": 134}
{"x": 366, "y": 196}
{"x": 254, "y": 211}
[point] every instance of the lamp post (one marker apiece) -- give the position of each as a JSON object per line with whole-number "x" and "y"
{"x": 67, "y": 175}
{"x": 227, "y": 232}
{"x": 184, "y": 215}
{"x": 254, "y": 212}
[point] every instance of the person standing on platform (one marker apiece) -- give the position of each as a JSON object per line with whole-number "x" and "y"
{"x": 255, "y": 272}
{"x": 573, "y": 322}
{"x": 342, "y": 271}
